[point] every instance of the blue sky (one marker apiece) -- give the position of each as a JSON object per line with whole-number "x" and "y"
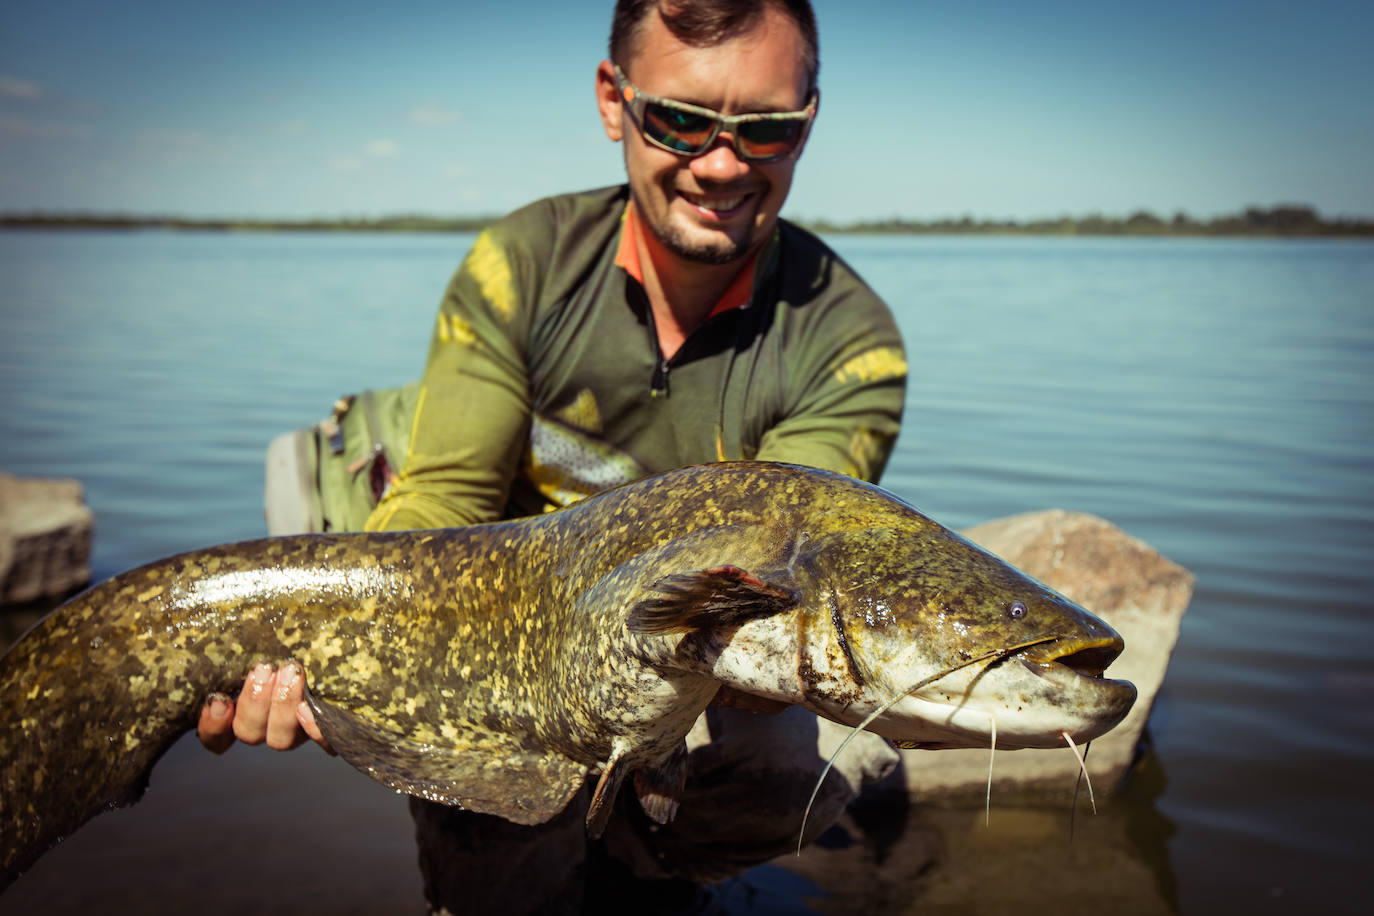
{"x": 984, "y": 107}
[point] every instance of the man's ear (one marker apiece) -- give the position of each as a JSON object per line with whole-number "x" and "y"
{"x": 608, "y": 101}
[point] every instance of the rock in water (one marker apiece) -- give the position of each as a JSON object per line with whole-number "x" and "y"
{"x": 45, "y": 538}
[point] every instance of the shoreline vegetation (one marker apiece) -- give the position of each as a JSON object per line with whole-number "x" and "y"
{"x": 1284, "y": 221}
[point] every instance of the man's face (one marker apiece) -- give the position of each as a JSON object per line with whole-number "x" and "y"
{"x": 716, "y": 207}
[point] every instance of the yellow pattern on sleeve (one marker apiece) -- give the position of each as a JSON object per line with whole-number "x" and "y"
{"x": 872, "y": 366}
{"x": 487, "y": 265}
{"x": 455, "y": 329}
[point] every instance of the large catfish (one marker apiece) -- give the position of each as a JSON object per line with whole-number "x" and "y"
{"x": 497, "y": 666}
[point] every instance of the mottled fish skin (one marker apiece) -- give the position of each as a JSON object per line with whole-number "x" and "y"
{"x": 496, "y": 666}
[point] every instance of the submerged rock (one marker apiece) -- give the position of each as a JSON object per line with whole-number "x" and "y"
{"x": 45, "y": 538}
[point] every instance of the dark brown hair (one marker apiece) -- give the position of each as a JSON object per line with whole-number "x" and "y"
{"x": 702, "y": 23}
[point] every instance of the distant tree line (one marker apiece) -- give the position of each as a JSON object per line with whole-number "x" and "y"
{"x": 1285, "y": 220}
{"x": 1288, "y": 220}
{"x": 403, "y": 223}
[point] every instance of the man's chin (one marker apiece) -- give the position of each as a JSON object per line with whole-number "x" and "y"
{"x": 709, "y": 247}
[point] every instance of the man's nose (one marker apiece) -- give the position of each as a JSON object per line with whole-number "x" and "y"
{"x": 721, "y": 163}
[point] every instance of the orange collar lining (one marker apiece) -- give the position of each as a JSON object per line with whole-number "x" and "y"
{"x": 736, "y": 295}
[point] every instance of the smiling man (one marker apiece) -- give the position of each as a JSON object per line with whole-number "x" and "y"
{"x": 592, "y": 338}
{"x": 707, "y": 204}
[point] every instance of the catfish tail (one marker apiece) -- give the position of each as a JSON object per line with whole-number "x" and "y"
{"x": 86, "y": 709}
{"x": 96, "y": 692}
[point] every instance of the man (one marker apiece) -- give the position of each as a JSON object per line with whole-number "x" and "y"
{"x": 592, "y": 338}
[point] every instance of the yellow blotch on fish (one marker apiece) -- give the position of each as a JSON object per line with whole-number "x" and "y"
{"x": 365, "y": 665}
{"x": 325, "y": 647}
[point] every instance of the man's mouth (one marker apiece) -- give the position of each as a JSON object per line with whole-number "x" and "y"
{"x": 715, "y": 205}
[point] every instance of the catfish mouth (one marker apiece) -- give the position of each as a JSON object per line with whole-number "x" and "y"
{"x": 1083, "y": 656}
{"x": 1057, "y": 689}
{"x": 1072, "y": 667}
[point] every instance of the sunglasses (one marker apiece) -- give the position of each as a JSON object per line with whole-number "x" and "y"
{"x": 690, "y": 130}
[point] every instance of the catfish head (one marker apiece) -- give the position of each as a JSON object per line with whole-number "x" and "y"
{"x": 915, "y": 611}
{"x": 866, "y": 603}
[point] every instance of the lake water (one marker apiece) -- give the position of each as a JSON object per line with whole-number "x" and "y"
{"x": 1214, "y": 398}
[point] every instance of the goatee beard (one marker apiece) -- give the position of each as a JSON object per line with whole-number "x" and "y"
{"x": 674, "y": 241}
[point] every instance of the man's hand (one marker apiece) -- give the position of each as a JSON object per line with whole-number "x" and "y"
{"x": 270, "y": 708}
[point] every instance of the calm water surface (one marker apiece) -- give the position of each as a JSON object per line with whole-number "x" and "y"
{"x": 1215, "y": 398}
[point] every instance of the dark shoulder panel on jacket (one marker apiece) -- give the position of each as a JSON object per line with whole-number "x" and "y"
{"x": 810, "y": 269}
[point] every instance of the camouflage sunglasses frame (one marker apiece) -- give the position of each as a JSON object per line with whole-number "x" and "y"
{"x": 738, "y": 126}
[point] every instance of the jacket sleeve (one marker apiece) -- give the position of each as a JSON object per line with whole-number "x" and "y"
{"x": 846, "y": 391}
{"x": 472, "y": 417}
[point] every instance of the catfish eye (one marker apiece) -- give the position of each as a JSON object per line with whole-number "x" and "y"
{"x": 1016, "y": 610}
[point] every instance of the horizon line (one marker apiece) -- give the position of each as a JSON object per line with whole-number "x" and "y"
{"x": 1281, "y": 219}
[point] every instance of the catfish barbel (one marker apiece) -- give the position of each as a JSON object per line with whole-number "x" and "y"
{"x": 497, "y": 666}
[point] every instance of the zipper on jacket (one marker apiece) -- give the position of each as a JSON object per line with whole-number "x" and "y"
{"x": 658, "y": 382}
{"x": 658, "y": 385}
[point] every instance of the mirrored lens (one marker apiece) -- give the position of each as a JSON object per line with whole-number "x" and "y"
{"x": 768, "y": 139}
{"x": 684, "y": 131}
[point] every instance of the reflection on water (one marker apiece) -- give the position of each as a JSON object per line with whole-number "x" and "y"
{"x": 892, "y": 855}
{"x": 1214, "y": 398}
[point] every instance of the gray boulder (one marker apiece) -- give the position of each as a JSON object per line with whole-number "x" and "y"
{"x": 45, "y": 538}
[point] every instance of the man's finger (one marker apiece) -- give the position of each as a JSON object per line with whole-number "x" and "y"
{"x": 254, "y": 704}
{"x": 283, "y": 731}
{"x": 216, "y": 726}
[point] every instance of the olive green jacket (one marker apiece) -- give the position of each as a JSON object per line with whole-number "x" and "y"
{"x": 545, "y": 382}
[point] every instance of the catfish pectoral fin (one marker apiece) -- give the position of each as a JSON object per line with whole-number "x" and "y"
{"x": 659, "y": 787}
{"x": 483, "y": 770}
{"x": 702, "y": 598}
